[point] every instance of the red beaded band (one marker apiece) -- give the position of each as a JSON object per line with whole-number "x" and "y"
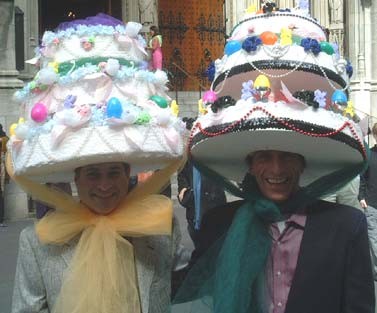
{"x": 279, "y": 120}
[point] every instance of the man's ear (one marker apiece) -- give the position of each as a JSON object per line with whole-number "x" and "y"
{"x": 77, "y": 174}
{"x": 250, "y": 169}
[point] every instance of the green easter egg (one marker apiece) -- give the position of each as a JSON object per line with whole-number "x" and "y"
{"x": 160, "y": 101}
{"x": 327, "y": 47}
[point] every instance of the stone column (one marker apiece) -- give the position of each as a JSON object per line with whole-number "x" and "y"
{"x": 336, "y": 27}
{"x": 320, "y": 11}
{"x": 373, "y": 51}
{"x": 286, "y": 3}
{"x": 15, "y": 199}
{"x": 31, "y": 35}
{"x": 8, "y": 72}
{"x": 357, "y": 32}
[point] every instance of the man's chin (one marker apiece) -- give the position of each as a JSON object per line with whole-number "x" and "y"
{"x": 277, "y": 197}
{"x": 104, "y": 208}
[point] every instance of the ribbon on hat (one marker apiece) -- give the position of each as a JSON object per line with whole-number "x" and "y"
{"x": 102, "y": 275}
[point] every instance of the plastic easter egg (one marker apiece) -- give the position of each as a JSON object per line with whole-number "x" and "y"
{"x": 209, "y": 96}
{"x": 268, "y": 38}
{"x": 160, "y": 101}
{"x": 232, "y": 47}
{"x": 47, "y": 76}
{"x": 21, "y": 131}
{"x": 327, "y": 47}
{"x": 339, "y": 97}
{"x": 262, "y": 81}
{"x": 39, "y": 112}
{"x": 112, "y": 67}
{"x": 114, "y": 108}
{"x": 12, "y": 129}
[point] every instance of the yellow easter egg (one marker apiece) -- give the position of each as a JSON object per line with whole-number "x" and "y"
{"x": 262, "y": 81}
{"x": 12, "y": 129}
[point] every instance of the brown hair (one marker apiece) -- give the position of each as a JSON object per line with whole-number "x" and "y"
{"x": 155, "y": 30}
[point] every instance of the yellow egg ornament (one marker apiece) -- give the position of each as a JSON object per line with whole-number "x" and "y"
{"x": 201, "y": 108}
{"x": 262, "y": 82}
{"x": 286, "y": 36}
{"x": 12, "y": 129}
{"x": 174, "y": 107}
{"x": 349, "y": 110}
{"x": 54, "y": 66}
{"x": 262, "y": 85}
{"x": 251, "y": 9}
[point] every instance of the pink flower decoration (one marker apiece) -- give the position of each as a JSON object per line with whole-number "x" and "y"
{"x": 209, "y": 97}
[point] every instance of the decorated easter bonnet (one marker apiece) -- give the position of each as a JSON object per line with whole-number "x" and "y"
{"x": 280, "y": 86}
{"x": 93, "y": 101}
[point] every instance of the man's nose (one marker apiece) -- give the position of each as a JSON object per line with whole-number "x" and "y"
{"x": 277, "y": 164}
{"x": 104, "y": 183}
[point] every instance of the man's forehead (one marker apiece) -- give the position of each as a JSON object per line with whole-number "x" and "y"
{"x": 279, "y": 152}
{"x": 104, "y": 166}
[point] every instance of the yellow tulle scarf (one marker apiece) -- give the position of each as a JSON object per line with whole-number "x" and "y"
{"x": 102, "y": 275}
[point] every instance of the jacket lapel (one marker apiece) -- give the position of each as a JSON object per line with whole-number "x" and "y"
{"x": 307, "y": 264}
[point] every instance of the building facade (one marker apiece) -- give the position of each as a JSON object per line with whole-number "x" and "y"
{"x": 351, "y": 24}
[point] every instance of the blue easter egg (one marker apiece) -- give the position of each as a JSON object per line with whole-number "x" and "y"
{"x": 232, "y": 46}
{"x": 339, "y": 96}
{"x": 114, "y": 108}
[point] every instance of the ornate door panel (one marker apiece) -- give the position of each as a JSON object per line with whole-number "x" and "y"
{"x": 193, "y": 35}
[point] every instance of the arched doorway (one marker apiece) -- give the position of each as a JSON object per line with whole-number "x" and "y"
{"x": 193, "y": 36}
{"x": 52, "y": 13}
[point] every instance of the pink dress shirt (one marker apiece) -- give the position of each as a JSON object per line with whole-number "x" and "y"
{"x": 282, "y": 262}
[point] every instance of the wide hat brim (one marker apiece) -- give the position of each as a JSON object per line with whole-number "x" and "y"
{"x": 145, "y": 148}
{"x": 226, "y": 153}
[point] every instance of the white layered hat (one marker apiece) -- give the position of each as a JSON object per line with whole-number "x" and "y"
{"x": 279, "y": 86}
{"x": 93, "y": 101}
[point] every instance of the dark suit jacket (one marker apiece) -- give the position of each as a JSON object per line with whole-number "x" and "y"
{"x": 333, "y": 273}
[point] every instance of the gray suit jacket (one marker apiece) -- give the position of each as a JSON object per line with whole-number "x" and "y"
{"x": 40, "y": 271}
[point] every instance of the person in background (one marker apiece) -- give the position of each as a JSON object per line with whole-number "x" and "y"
{"x": 210, "y": 194}
{"x": 368, "y": 180}
{"x": 368, "y": 199}
{"x": 347, "y": 195}
{"x": 155, "y": 44}
{"x": 4, "y": 178}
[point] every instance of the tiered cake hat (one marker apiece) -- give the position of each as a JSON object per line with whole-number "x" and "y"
{"x": 280, "y": 86}
{"x": 93, "y": 100}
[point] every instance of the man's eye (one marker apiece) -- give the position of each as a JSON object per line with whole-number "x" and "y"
{"x": 92, "y": 175}
{"x": 114, "y": 174}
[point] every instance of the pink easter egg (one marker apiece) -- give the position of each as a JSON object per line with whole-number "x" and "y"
{"x": 209, "y": 96}
{"x": 39, "y": 112}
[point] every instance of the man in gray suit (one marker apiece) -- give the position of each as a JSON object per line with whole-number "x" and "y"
{"x": 44, "y": 275}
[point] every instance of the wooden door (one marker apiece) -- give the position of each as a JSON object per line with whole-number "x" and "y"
{"x": 193, "y": 35}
